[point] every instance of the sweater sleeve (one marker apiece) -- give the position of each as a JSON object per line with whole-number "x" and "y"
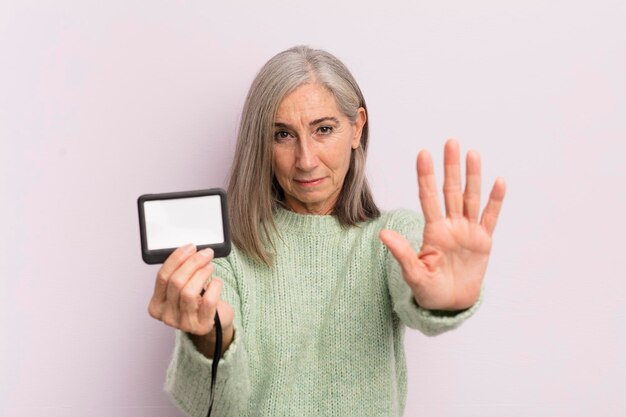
{"x": 430, "y": 322}
{"x": 188, "y": 379}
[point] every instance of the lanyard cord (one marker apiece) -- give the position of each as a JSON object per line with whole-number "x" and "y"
{"x": 216, "y": 358}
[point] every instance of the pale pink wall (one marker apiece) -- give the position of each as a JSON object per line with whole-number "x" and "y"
{"x": 103, "y": 101}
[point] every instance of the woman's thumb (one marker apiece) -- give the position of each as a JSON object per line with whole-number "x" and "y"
{"x": 400, "y": 248}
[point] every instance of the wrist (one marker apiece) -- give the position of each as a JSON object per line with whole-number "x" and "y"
{"x": 211, "y": 337}
{"x": 440, "y": 310}
{"x": 205, "y": 344}
{"x": 432, "y": 306}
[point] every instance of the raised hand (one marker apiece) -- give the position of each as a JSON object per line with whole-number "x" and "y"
{"x": 448, "y": 271}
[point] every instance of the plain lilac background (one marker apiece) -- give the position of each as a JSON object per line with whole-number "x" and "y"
{"x": 103, "y": 101}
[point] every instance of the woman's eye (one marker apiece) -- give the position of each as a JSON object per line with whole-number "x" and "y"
{"x": 281, "y": 135}
{"x": 325, "y": 130}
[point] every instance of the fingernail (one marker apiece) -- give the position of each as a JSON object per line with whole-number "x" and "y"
{"x": 208, "y": 252}
{"x": 188, "y": 247}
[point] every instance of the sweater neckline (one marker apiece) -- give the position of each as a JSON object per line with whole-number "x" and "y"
{"x": 291, "y": 221}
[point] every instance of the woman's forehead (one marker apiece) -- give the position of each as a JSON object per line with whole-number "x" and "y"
{"x": 307, "y": 102}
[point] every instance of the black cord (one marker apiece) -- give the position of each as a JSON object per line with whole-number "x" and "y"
{"x": 216, "y": 358}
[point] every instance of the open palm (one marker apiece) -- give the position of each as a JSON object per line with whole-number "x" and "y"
{"x": 448, "y": 271}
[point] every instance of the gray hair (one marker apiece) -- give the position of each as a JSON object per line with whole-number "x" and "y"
{"x": 254, "y": 192}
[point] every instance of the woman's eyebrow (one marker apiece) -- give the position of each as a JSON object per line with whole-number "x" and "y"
{"x": 312, "y": 123}
{"x": 324, "y": 119}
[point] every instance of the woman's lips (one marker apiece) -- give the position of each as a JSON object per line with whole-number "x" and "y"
{"x": 310, "y": 183}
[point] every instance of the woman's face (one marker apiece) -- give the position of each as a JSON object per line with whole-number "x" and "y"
{"x": 313, "y": 141}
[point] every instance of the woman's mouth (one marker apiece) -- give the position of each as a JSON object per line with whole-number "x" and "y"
{"x": 309, "y": 183}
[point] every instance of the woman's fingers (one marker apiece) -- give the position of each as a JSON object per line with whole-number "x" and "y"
{"x": 452, "y": 179}
{"x": 208, "y": 306}
{"x": 179, "y": 280}
{"x": 177, "y": 258}
{"x": 457, "y": 203}
{"x": 427, "y": 187}
{"x": 184, "y": 298}
{"x": 191, "y": 297}
{"x": 491, "y": 212}
{"x": 471, "y": 197}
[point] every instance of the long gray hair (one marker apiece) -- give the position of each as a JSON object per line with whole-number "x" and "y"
{"x": 254, "y": 192}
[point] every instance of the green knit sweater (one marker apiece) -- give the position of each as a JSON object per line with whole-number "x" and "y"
{"x": 320, "y": 333}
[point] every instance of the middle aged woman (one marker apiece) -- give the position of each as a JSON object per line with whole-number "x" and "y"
{"x": 319, "y": 287}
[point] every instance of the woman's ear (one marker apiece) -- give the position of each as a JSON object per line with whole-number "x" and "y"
{"x": 361, "y": 118}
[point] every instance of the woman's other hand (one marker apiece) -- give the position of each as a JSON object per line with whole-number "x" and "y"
{"x": 448, "y": 271}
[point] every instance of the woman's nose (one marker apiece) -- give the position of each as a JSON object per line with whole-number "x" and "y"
{"x": 306, "y": 156}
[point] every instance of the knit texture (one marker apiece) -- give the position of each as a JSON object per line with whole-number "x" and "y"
{"x": 320, "y": 333}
